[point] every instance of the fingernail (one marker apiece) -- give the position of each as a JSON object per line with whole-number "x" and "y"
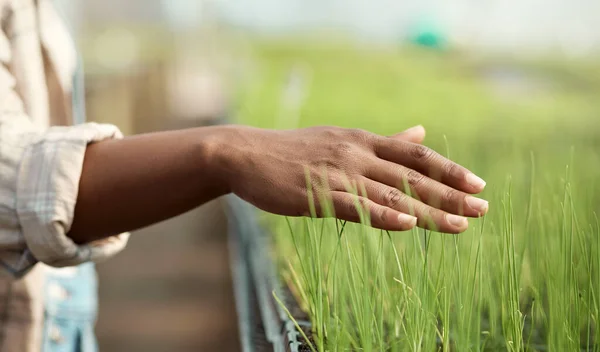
{"x": 475, "y": 181}
{"x": 477, "y": 204}
{"x": 407, "y": 219}
{"x": 415, "y": 128}
{"x": 456, "y": 220}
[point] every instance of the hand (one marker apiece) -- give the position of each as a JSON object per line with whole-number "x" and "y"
{"x": 269, "y": 169}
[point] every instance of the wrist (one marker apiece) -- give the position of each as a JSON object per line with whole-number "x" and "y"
{"x": 221, "y": 152}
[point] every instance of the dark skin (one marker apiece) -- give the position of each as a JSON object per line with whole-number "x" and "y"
{"x": 137, "y": 181}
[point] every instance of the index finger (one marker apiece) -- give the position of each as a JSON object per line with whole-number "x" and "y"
{"x": 430, "y": 163}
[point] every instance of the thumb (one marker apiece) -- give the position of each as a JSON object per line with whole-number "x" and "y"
{"x": 414, "y": 134}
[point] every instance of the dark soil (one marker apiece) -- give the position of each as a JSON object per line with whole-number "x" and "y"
{"x": 304, "y": 346}
{"x": 292, "y": 305}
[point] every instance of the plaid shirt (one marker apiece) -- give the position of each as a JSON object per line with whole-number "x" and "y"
{"x": 41, "y": 156}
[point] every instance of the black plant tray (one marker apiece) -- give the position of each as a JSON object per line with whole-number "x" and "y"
{"x": 263, "y": 324}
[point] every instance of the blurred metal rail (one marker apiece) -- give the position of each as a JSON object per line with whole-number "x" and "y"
{"x": 263, "y": 324}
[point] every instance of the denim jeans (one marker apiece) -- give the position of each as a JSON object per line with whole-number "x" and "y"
{"x": 71, "y": 293}
{"x": 70, "y": 309}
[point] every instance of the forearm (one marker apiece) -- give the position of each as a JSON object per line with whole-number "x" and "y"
{"x": 130, "y": 183}
{"x": 137, "y": 181}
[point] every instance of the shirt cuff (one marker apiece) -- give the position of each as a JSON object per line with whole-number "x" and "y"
{"x": 47, "y": 187}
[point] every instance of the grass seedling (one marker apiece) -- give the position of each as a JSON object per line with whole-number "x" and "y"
{"x": 524, "y": 278}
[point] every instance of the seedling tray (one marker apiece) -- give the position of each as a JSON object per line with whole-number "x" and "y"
{"x": 263, "y": 324}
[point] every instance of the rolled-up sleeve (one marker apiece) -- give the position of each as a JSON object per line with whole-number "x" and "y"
{"x": 39, "y": 179}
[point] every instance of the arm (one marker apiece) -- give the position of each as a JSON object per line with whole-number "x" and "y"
{"x": 134, "y": 182}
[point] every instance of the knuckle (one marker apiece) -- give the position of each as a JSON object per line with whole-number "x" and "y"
{"x": 451, "y": 168}
{"x": 384, "y": 215}
{"x": 362, "y": 203}
{"x": 310, "y": 176}
{"x": 421, "y": 153}
{"x": 330, "y": 132}
{"x": 329, "y": 164}
{"x": 414, "y": 178}
{"x": 428, "y": 217}
{"x": 450, "y": 195}
{"x": 360, "y": 136}
{"x": 355, "y": 132}
{"x": 351, "y": 207}
{"x": 393, "y": 198}
{"x": 342, "y": 150}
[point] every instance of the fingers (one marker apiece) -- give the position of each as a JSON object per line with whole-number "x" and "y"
{"x": 427, "y": 190}
{"x": 429, "y": 163}
{"x": 349, "y": 207}
{"x": 414, "y": 134}
{"x": 428, "y": 217}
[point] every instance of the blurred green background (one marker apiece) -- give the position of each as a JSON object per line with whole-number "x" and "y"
{"x": 491, "y": 85}
{"x": 490, "y": 114}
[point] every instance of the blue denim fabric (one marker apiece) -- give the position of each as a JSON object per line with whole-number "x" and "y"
{"x": 70, "y": 310}
{"x": 71, "y": 294}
